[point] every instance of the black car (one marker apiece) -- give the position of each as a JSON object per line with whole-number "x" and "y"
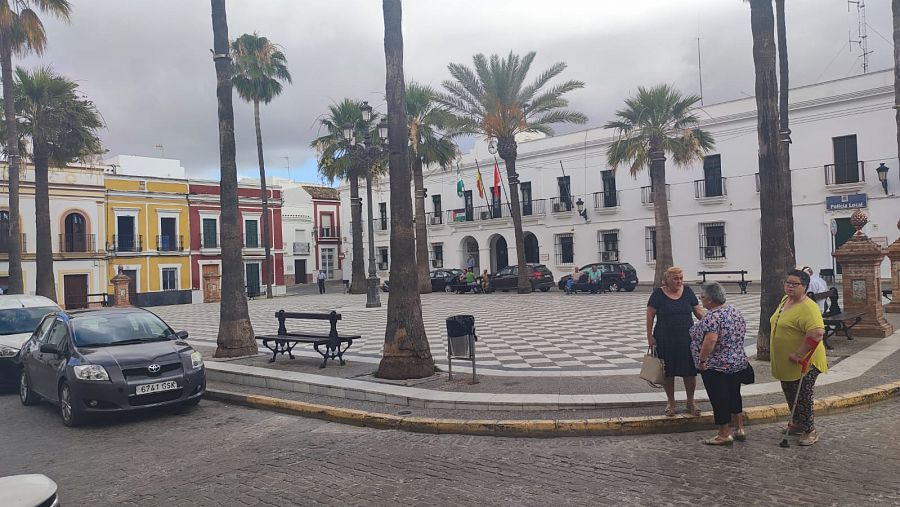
{"x": 507, "y": 278}
{"x": 615, "y": 276}
{"x": 441, "y": 280}
{"x": 108, "y": 360}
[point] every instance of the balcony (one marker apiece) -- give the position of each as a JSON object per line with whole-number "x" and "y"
{"x": 73, "y": 243}
{"x": 710, "y": 190}
{"x": 169, "y": 243}
{"x": 560, "y": 204}
{"x": 460, "y": 215}
{"x": 534, "y": 207}
{"x": 488, "y": 212}
{"x": 126, "y": 244}
{"x": 301, "y": 248}
{"x": 606, "y": 201}
{"x": 209, "y": 241}
{"x": 646, "y": 195}
{"x": 434, "y": 218}
{"x": 332, "y": 232}
{"x": 4, "y": 243}
{"x": 841, "y": 178}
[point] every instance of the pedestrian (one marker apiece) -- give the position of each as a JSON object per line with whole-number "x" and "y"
{"x": 570, "y": 283}
{"x": 717, "y": 345}
{"x": 595, "y": 277}
{"x": 796, "y": 344}
{"x": 470, "y": 263}
{"x": 818, "y": 290}
{"x": 671, "y": 306}
{"x": 321, "y": 277}
{"x": 485, "y": 282}
{"x": 471, "y": 281}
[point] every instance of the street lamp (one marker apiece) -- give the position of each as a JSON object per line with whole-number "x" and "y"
{"x": 368, "y": 154}
{"x": 581, "y": 211}
{"x": 882, "y": 171}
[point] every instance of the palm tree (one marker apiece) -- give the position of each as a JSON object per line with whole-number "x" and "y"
{"x": 491, "y": 101}
{"x": 21, "y": 31}
{"x": 334, "y": 164}
{"x": 429, "y": 147}
{"x": 776, "y": 256}
{"x": 62, "y": 128}
{"x": 657, "y": 121}
{"x": 406, "y": 353}
{"x": 895, "y": 9}
{"x": 259, "y": 68}
{"x": 784, "y": 135}
{"x": 235, "y": 331}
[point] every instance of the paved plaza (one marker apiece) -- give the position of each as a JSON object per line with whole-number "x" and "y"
{"x": 540, "y": 331}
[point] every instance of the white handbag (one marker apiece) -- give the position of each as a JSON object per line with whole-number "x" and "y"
{"x": 653, "y": 369}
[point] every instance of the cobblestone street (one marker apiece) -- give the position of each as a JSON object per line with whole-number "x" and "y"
{"x": 221, "y": 455}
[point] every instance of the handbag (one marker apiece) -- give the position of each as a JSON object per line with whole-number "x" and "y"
{"x": 747, "y": 375}
{"x": 653, "y": 369}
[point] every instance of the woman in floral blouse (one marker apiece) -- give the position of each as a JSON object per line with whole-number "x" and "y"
{"x": 717, "y": 344}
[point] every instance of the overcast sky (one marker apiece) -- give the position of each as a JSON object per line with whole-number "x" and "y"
{"x": 147, "y": 64}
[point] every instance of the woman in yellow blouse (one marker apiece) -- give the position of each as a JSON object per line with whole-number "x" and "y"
{"x": 796, "y": 346}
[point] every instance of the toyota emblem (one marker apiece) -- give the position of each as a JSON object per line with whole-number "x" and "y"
{"x": 153, "y": 368}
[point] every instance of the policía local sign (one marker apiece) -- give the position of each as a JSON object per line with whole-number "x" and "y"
{"x": 852, "y": 201}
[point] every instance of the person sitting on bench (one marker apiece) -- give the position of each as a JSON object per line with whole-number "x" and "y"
{"x": 818, "y": 290}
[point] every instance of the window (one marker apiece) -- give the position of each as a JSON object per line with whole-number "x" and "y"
{"x": 609, "y": 245}
{"x": 610, "y": 199}
{"x": 58, "y": 335}
{"x": 210, "y": 236}
{"x": 436, "y": 204}
{"x": 168, "y": 242}
{"x": 712, "y": 241}
{"x": 251, "y": 233}
{"x": 328, "y": 261}
{"x": 846, "y": 163}
{"x": 565, "y": 248}
{"x": 126, "y": 239}
{"x": 650, "y": 243}
{"x": 4, "y": 231}
{"x": 712, "y": 176}
{"x": 565, "y": 193}
{"x": 382, "y": 224}
{"x": 469, "y": 204}
{"x": 169, "y": 278}
{"x": 74, "y": 238}
{"x": 437, "y": 255}
{"x": 382, "y": 258}
{"x": 525, "y": 190}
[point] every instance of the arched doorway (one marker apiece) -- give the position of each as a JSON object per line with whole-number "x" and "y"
{"x": 469, "y": 250}
{"x": 75, "y": 236}
{"x": 532, "y": 252}
{"x": 499, "y": 253}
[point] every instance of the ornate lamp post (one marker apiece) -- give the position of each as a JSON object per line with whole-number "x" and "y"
{"x": 367, "y": 154}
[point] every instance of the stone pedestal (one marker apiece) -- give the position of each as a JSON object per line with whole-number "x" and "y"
{"x": 212, "y": 289}
{"x": 893, "y": 253}
{"x": 121, "y": 290}
{"x": 860, "y": 260}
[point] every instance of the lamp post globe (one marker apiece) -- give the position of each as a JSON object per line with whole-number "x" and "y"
{"x": 882, "y": 171}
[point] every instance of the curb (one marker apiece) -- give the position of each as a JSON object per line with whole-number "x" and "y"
{"x": 545, "y": 428}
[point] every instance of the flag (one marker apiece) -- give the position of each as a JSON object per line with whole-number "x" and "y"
{"x": 496, "y": 188}
{"x": 460, "y": 186}
{"x": 478, "y": 182}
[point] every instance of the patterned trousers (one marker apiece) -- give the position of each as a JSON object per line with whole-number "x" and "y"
{"x": 803, "y": 416}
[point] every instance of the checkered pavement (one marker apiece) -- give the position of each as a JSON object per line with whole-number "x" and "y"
{"x": 550, "y": 331}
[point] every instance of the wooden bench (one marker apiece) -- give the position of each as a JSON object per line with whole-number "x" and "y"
{"x": 838, "y": 323}
{"x": 742, "y": 283}
{"x": 284, "y": 342}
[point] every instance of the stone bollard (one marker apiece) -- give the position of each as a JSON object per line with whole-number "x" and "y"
{"x": 860, "y": 260}
{"x": 212, "y": 289}
{"x": 121, "y": 290}
{"x": 893, "y": 253}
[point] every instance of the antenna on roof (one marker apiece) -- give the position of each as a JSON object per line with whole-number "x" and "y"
{"x": 863, "y": 41}
{"x": 162, "y": 151}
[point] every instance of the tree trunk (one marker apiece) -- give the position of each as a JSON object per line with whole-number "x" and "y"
{"x": 235, "y": 332}
{"x": 664, "y": 259}
{"x": 508, "y": 151}
{"x": 784, "y": 135}
{"x": 406, "y": 352}
{"x": 421, "y": 229}
{"x": 895, "y": 8}
{"x": 268, "y": 267}
{"x": 774, "y": 252}
{"x": 358, "y": 275}
{"x": 16, "y": 284}
{"x": 45, "y": 284}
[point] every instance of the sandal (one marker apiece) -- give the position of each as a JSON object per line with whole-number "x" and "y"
{"x": 717, "y": 440}
{"x": 694, "y": 410}
{"x": 740, "y": 435}
{"x": 670, "y": 411}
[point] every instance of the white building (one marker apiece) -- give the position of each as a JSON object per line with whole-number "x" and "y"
{"x": 842, "y": 131}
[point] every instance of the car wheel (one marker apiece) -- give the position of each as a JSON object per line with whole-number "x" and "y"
{"x": 68, "y": 407}
{"x": 447, "y": 289}
{"x": 26, "y": 395}
{"x": 545, "y": 289}
{"x": 614, "y": 287}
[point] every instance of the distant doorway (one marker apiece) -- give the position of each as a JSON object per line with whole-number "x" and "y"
{"x": 75, "y": 290}
{"x": 299, "y": 271}
{"x": 532, "y": 253}
{"x": 210, "y": 294}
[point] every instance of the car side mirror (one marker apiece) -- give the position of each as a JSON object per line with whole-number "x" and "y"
{"x": 181, "y": 335}
{"x": 49, "y": 348}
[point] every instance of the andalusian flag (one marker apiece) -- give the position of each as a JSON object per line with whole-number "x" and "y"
{"x": 478, "y": 183}
{"x": 460, "y": 186}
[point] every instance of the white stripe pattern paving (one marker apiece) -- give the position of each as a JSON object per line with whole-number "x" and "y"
{"x": 540, "y": 331}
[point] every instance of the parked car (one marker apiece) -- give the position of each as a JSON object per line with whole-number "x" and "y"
{"x": 108, "y": 360}
{"x": 507, "y": 278}
{"x": 441, "y": 280}
{"x": 19, "y": 316}
{"x": 28, "y": 490}
{"x": 615, "y": 276}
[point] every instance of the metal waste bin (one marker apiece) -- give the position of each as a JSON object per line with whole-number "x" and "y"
{"x": 461, "y": 339}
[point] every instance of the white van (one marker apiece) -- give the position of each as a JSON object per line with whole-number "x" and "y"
{"x": 19, "y": 316}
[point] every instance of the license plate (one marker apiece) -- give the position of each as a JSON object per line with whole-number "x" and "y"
{"x": 158, "y": 387}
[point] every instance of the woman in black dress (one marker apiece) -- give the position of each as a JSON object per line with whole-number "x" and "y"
{"x": 672, "y": 306}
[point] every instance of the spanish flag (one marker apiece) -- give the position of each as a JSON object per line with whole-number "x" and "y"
{"x": 478, "y": 182}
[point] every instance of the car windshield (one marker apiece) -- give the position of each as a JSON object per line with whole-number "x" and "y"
{"x": 104, "y": 329}
{"x": 22, "y": 320}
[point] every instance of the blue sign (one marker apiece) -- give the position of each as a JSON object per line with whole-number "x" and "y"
{"x": 839, "y": 202}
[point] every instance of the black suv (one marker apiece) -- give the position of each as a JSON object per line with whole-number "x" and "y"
{"x": 615, "y": 276}
{"x": 508, "y": 278}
